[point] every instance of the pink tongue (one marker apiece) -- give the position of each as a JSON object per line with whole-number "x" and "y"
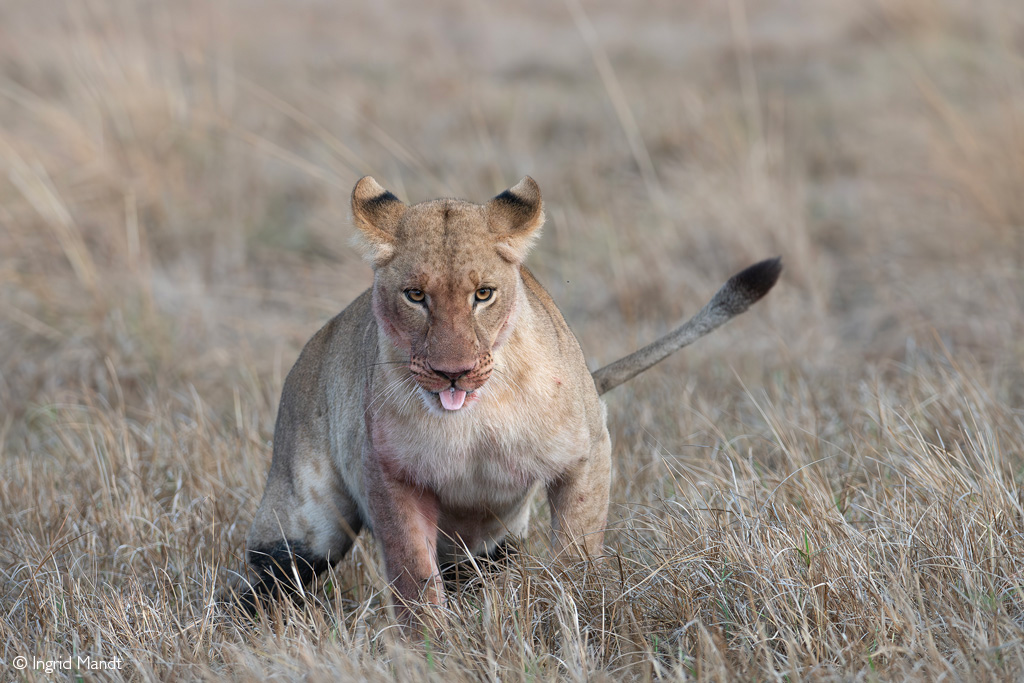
{"x": 452, "y": 399}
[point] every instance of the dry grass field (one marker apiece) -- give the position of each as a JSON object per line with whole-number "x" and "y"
{"x": 828, "y": 488}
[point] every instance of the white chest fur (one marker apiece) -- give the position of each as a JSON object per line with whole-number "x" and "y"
{"x": 489, "y": 454}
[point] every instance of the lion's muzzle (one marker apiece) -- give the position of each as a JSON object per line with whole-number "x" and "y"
{"x": 452, "y": 384}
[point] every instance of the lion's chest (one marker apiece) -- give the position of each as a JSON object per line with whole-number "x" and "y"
{"x": 486, "y": 459}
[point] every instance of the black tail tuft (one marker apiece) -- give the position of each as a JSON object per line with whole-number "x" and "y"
{"x": 756, "y": 281}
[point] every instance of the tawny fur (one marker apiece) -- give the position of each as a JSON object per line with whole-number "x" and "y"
{"x": 362, "y": 437}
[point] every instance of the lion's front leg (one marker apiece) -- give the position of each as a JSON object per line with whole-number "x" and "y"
{"x": 579, "y": 502}
{"x": 404, "y": 518}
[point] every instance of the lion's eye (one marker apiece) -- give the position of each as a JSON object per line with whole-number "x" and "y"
{"x": 484, "y": 293}
{"x": 415, "y": 295}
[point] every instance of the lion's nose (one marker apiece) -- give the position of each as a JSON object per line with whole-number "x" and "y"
{"x": 452, "y": 373}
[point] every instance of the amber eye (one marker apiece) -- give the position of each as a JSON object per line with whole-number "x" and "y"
{"x": 484, "y": 294}
{"x": 415, "y": 295}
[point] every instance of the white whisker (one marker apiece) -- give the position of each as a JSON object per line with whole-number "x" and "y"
{"x": 394, "y": 391}
{"x": 385, "y": 394}
{"x": 509, "y": 381}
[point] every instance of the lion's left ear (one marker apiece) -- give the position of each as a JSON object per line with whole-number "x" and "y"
{"x": 515, "y": 217}
{"x": 376, "y": 213}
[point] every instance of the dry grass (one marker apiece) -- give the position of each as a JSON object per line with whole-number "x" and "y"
{"x": 828, "y": 488}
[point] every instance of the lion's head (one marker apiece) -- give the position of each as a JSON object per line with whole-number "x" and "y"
{"x": 446, "y": 286}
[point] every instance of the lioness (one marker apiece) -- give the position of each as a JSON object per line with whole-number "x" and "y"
{"x": 435, "y": 405}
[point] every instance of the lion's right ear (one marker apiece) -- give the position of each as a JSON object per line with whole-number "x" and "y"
{"x": 376, "y": 212}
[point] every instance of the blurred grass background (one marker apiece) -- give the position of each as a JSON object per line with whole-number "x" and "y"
{"x": 174, "y": 226}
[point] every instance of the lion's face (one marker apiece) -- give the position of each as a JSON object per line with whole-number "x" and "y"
{"x": 447, "y": 284}
{"x": 447, "y": 298}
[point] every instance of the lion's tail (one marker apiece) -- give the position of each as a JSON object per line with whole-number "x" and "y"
{"x": 737, "y": 295}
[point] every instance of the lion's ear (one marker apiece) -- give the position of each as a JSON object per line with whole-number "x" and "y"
{"x": 515, "y": 217}
{"x": 376, "y": 212}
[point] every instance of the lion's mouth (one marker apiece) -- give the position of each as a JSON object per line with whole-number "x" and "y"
{"x": 452, "y": 398}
